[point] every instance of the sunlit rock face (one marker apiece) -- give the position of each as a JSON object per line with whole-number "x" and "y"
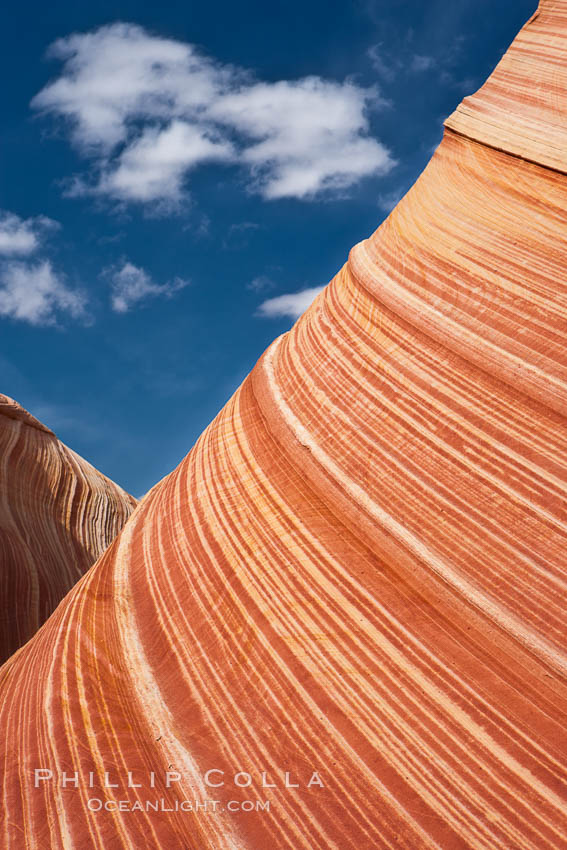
{"x": 57, "y": 516}
{"x": 357, "y": 575}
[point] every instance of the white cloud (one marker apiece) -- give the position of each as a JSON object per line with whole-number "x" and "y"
{"x": 34, "y": 293}
{"x": 20, "y": 237}
{"x": 153, "y": 167}
{"x": 310, "y": 135}
{"x": 120, "y": 73}
{"x": 130, "y": 284}
{"x": 148, "y": 109}
{"x": 292, "y": 304}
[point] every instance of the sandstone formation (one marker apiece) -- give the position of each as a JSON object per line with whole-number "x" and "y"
{"x": 57, "y": 516}
{"x": 359, "y": 569}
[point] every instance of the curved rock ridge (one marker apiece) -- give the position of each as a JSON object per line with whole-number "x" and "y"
{"x": 57, "y": 516}
{"x": 351, "y": 592}
{"x": 521, "y": 107}
{"x": 14, "y": 410}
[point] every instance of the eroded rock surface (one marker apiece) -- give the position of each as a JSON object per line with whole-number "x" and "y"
{"x": 359, "y": 569}
{"x": 57, "y": 516}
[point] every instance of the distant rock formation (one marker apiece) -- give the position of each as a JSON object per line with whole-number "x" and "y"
{"x": 348, "y": 601}
{"x": 57, "y": 516}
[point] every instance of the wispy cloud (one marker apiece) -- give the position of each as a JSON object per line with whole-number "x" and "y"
{"x": 20, "y": 237}
{"x": 36, "y": 294}
{"x": 390, "y": 63}
{"x": 131, "y": 285}
{"x": 388, "y": 200}
{"x": 261, "y": 283}
{"x": 147, "y": 110}
{"x": 292, "y": 304}
{"x": 65, "y": 419}
{"x": 465, "y": 86}
{"x": 385, "y": 67}
{"x": 421, "y": 63}
{"x": 409, "y": 56}
{"x": 238, "y": 235}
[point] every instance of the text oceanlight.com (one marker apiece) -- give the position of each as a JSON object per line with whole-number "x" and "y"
{"x": 109, "y": 784}
{"x": 95, "y": 804}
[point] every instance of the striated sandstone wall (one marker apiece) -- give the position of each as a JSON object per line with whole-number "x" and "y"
{"x": 57, "y": 516}
{"x": 359, "y": 569}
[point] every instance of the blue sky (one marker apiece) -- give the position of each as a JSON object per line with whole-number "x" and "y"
{"x": 177, "y": 179}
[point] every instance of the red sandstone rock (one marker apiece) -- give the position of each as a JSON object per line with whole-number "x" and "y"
{"x": 57, "y": 516}
{"x": 359, "y": 569}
